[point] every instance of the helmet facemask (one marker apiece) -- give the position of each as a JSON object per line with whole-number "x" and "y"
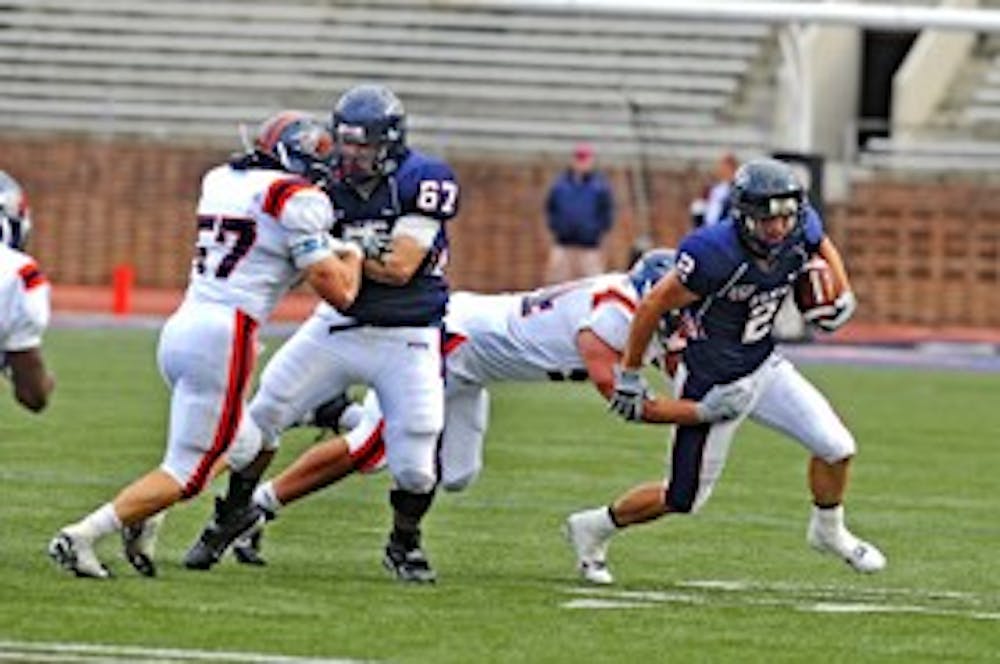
{"x": 369, "y": 128}
{"x": 768, "y": 225}
{"x": 767, "y": 206}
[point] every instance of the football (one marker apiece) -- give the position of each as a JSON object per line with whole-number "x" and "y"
{"x": 815, "y": 286}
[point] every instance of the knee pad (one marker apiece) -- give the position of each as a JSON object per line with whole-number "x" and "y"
{"x": 246, "y": 446}
{"x": 459, "y": 482}
{"x": 415, "y": 481}
{"x": 272, "y": 416}
{"x": 836, "y": 447}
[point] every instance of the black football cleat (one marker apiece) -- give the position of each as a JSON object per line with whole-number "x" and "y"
{"x": 222, "y": 530}
{"x": 246, "y": 550}
{"x": 408, "y": 563}
{"x": 139, "y": 542}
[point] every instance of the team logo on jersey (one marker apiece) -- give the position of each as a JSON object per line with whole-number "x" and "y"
{"x": 741, "y": 292}
{"x": 773, "y": 295}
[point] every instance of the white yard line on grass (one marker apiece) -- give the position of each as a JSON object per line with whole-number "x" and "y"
{"x": 34, "y": 651}
{"x": 813, "y": 599}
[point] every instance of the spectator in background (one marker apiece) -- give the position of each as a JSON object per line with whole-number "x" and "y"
{"x": 580, "y": 209}
{"x": 24, "y": 303}
{"x": 717, "y": 198}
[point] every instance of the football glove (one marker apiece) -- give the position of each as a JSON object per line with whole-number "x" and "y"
{"x": 373, "y": 244}
{"x": 630, "y": 394}
{"x": 833, "y": 317}
{"x": 724, "y": 402}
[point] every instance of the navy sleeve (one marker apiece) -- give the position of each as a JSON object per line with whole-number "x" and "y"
{"x": 698, "y": 266}
{"x": 814, "y": 230}
{"x": 552, "y": 207}
{"x": 430, "y": 189}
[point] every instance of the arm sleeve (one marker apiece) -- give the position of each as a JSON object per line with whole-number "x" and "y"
{"x": 308, "y": 217}
{"x": 30, "y": 318}
{"x": 814, "y": 229}
{"x": 610, "y": 322}
{"x": 432, "y": 192}
{"x": 696, "y": 268}
{"x": 422, "y": 229}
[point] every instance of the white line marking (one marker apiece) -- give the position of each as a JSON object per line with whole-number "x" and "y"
{"x": 605, "y": 604}
{"x": 816, "y": 599}
{"x": 87, "y": 652}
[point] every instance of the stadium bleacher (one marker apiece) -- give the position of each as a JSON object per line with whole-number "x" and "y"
{"x": 475, "y": 77}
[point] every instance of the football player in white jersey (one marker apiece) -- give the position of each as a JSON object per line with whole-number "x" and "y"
{"x": 571, "y": 331}
{"x": 262, "y": 225}
{"x": 24, "y": 302}
{"x": 399, "y": 202}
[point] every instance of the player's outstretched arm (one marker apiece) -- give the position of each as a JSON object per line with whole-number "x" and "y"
{"x": 669, "y": 294}
{"x": 33, "y": 384}
{"x": 337, "y": 278}
{"x": 600, "y": 360}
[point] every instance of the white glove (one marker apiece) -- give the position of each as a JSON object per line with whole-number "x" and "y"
{"x": 630, "y": 394}
{"x": 375, "y": 245}
{"x": 833, "y": 317}
{"x": 724, "y": 402}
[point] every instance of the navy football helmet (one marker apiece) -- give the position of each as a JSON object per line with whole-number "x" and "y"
{"x": 15, "y": 217}
{"x": 296, "y": 142}
{"x": 369, "y": 130}
{"x": 768, "y": 205}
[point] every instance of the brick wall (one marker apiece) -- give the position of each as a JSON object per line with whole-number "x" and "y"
{"x": 922, "y": 252}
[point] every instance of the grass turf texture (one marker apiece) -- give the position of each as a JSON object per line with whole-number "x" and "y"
{"x": 735, "y": 583}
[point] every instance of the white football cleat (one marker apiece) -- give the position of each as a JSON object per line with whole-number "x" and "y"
{"x": 76, "y": 554}
{"x": 859, "y": 554}
{"x": 590, "y": 547}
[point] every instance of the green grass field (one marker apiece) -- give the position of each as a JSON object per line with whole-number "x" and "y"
{"x": 735, "y": 583}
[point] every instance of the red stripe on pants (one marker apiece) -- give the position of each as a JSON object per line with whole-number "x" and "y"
{"x": 241, "y": 361}
{"x": 372, "y": 451}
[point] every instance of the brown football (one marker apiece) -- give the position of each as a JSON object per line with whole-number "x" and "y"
{"x": 815, "y": 287}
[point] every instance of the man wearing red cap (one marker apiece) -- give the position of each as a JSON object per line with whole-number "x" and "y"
{"x": 580, "y": 209}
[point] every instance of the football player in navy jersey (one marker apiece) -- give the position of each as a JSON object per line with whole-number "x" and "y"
{"x": 394, "y": 202}
{"x": 730, "y": 280}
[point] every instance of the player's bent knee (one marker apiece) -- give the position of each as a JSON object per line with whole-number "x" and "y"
{"x": 837, "y": 448}
{"x": 247, "y": 445}
{"x": 460, "y": 482}
{"x": 272, "y": 416}
{"x": 414, "y": 480}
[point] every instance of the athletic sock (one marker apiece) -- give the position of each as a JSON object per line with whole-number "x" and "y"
{"x": 264, "y": 497}
{"x": 97, "y": 524}
{"x": 830, "y": 519}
